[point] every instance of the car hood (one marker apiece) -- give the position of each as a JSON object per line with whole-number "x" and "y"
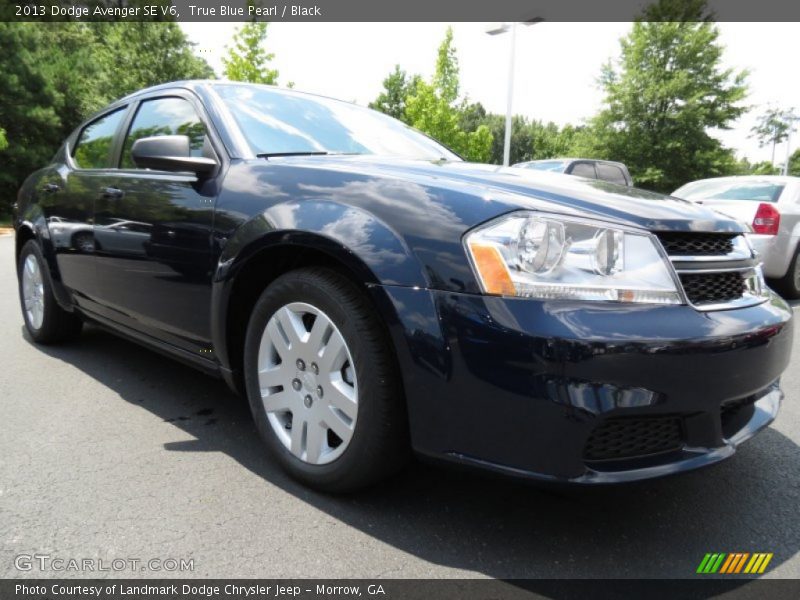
{"x": 504, "y": 189}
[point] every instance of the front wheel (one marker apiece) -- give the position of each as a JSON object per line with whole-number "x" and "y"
{"x": 322, "y": 383}
{"x": 45, "y": 320}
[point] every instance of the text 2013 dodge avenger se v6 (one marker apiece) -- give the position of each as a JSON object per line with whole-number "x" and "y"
{"x": 373, "y": 294}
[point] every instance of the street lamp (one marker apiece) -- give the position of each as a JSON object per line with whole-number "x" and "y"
{"x": 498, "y": 30}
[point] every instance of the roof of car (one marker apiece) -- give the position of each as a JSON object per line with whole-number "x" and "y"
{"x": 568, "y": 159}
{"x": 192, "y": 84}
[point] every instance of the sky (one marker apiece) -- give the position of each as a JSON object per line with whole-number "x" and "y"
{"x": 556, "y": 69}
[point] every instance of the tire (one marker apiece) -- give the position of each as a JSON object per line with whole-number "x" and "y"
{"x": 45, "y": 320}
{"x": 357, "y": 365}
{"x": 84, "y": 242}
{"x": 790, "y": 284}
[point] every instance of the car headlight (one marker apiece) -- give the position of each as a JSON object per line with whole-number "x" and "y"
{"x": 534, "y": 255}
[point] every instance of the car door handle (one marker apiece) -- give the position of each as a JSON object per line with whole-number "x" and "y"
{"x": 112, "y": 193}
{"x": 49, "y": 188}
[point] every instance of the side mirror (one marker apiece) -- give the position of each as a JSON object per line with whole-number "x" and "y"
{"x": 170, "y": 153}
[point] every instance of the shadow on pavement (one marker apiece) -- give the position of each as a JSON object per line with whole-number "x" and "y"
{"x": 497, "y": 527}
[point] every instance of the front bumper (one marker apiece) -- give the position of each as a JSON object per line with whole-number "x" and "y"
{"x": 524, "y": 387}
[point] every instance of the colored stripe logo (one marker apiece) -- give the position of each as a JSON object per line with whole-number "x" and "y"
{"x": 735, "y": 562}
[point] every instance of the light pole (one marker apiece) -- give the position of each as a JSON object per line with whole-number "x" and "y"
{"x": 497, "y": 30}
{"x": 792, "y": 120}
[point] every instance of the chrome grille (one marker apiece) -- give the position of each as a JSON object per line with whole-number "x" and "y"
{"x": 717, "y": 270}
{"x": 679, "y": 243}
{"x": 713, "y": 288}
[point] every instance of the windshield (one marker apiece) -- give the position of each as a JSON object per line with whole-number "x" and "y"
{"x": 284, "y": 123}
{"x": 757, "y": 191}
{"x": 547, "y": 165}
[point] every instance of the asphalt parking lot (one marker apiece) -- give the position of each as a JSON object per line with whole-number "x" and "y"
{"x": 111, "y": 451}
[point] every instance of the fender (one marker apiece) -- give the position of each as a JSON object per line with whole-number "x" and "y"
{"x": 367, "y": 247}
{"x": 32, "y": 218}
{"x": 352, "y": 234}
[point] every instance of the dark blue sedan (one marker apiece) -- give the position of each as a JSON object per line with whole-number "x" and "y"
{"x": 375, "y": 296}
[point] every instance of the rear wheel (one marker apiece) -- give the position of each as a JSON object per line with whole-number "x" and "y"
{"x": 45, "y": 320}
{"x": 321, "y": 382}
{"x": 790, "y": 284}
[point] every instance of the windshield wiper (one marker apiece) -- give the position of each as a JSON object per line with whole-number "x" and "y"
{"x": 278, "y": 154}
{"x": 304, "y": 153}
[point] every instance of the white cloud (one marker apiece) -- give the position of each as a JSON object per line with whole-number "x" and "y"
{"x": 556, "y": 69}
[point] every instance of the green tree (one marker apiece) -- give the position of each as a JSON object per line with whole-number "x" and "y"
{"x": 745, "y": 167}
{"x": 794, "y": 163}
{"x": 28, "y": 107}
{"x": 662, "y": 98}
{"x": 134, "y": 55}
{"x": 396, "y": 88}
{"x": 3, "y": 140}
{"x": 772, "y": 127}
{"x": 247, "y": 60}
{"x": 433, "y": 107}
{"x": 530, "y": 139}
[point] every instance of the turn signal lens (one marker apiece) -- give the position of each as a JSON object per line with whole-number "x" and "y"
{"x": 493, "y": 273}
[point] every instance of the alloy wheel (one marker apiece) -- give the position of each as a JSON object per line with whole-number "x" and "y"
{"x": 308, "y": 384}
{"x": 33, "y": 291}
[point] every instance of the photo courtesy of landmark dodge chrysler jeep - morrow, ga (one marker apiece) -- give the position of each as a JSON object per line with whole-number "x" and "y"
{"x": 375, "y": 296}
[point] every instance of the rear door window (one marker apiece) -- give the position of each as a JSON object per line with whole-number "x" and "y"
{"x": 611, "y": 173}
{"x": 93, "y": 150}
{"x": 583, "y": 169}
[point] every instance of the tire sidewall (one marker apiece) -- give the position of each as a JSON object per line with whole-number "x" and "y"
{"x": 31, "y": 248}
{"x": 295, "y": 287}
{"x": 789, "y": 284}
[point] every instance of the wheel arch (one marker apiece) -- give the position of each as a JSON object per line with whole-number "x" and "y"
{"x": 238, "y": 285}
{"x": 24, "y": 234}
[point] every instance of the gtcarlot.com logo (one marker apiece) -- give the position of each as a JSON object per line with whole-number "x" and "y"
{"x": 46, "y": 562}
{"x": 736, "y": 562}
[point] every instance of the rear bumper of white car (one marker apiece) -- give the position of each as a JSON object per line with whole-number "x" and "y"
{"x": 776, "y": 252}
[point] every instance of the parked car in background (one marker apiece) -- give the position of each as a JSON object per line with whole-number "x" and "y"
{"x": 71, "y": 235}
{"x": 372, "y": 293}
{"x": 605, "y": 170}
{"x": 770, "y": 205}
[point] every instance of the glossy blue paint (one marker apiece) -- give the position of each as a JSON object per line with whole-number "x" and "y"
{"x": 512, "y": 385}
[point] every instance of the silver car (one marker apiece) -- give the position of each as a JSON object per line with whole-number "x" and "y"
{"x": 770, "y": 204}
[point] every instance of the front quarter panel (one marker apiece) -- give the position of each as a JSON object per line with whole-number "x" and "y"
{"x": 263, "y": 206}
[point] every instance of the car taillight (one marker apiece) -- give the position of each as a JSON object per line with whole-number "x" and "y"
{"x": 768, "y": 220}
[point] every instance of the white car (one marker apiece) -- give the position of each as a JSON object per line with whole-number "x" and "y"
{"x": 770, "y": 204}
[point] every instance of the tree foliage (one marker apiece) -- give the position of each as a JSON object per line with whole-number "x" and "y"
{"x": 434, "y": 108}
{"x": 397, "y": 86}
{"x": 248, "y": 60}
{"x": 137, "y": 55}
{"x": 794, "y": 163}
{"x": 772, "y": 127}
{"x": 530, "y": 139}
{"x": 664, "y": 97}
